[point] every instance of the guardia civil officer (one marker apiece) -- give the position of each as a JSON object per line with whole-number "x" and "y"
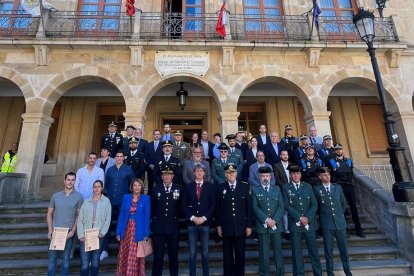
{"x": 112, "y": 140}
{"x": 268, "y": 210}
{"x": 234, "y": 220}
{"x": 301, "y": 206}
{"x": 342, "y": 173}
{"x": 165, "y": 206}
{"x": 332, "y": 205}
{"x": 218, "y": 164}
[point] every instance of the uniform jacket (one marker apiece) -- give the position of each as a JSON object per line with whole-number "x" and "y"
{"x": 326, "y": 154}
{"x": 113, "y": 144}
{"x": 267, "y": 205}
{"x": 140, "y": 147}
{"x": 188, "y": 173}
{"x": 206, "y": 206}
{"x": 244, "y": 148}
{"x": 341, "y": 170}
{"x": 173, "y": 163}
{"x": 181, "y": 151}
{"x": 331, "y": 207}
{"x": 254, "y": 176}
{"x": 137, "y": 163}
{"x": 271, "y": 156}
{"x": 280, "y": 174}
{"x": 300, "y": 203}
{"x": 310, "y": 168}
{"x": 165, "y": 209}
{"x": 238, "y": 156}
{"x": 217, "y": 169}
{"x": 234, "y": 209}
{"x": 141, "y": 217}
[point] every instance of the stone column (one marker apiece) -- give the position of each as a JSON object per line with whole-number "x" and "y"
{"x": 404, "y": 213}
{"x": 137, "y": 25}
{"x": 136, "y": 119}
{"x": 320, "y": 120}
{"x": 229, "y": 122}
{"x": 32, "y": 148}
{"x": 405, "y": 127}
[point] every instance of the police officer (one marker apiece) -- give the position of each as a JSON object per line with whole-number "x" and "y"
{"x": 327, "y": 151}
{"x": 234, "y": 220}
{"x": 301, "y": 150}
{"x": 165, "y": 206}
{"x": 310, "y": 165}
{"x": 342, "y": 173}
{"x": 135, "y": 159}
{"x": 290, "y": 142}
{"x": 112, "y": 140}
{"x": 166, "y": 160}
{"x": 268, "y": 210}
{"x": 218, "y": 164}
{"x": 301, "y": 206}
{"x": 332, "y": 205}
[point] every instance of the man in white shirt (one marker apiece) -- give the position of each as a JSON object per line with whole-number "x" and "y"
{"x": 86, "y": 176}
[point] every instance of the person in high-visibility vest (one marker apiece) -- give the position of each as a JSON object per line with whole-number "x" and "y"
{"x": 9, "y": 159}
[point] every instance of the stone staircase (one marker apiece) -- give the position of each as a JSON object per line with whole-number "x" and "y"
{"x": 23, "y": 249}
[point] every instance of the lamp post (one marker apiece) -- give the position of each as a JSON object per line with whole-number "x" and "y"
{"x": 181, "y": 95}
{"x": 364, "y": 22}
{"x": 380, "y": 6}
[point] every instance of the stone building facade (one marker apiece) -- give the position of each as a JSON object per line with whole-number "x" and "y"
{"x": 60, "y": 87}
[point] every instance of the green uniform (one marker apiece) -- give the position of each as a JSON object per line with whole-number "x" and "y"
{"x": 181, "y": 150}
{"x": 269, "y": 204}
{"x": 299, "y": 203}
{"x": 331, "y": 214}
{"x": 217, "y": 169}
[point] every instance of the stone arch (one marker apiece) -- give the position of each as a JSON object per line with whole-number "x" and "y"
{"x": 68, "y": 79}
{"x": 155, "y": 83}
{"x": 19, "y": 80}
{"x": 366, "y": 79}
{"x": 290, "y": 80}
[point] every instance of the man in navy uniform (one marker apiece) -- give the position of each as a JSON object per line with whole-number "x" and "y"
{"x": 310, "y": 165}
{"x": 129, "y": 134}
{"x": 135, "y": 159}
{"x": 165, "y": 206}
{"x": 301, "y": 206}
{"x": 332, "y": 205}
{"x": 112, "y": 140}
{"x": 268, "y": 209}
{"x": 327, "y": 151}
{"x": 342, "y": 173}
{"x": 234, "y": 220}
{"x": 301, "y": 150}
{"x": 167, "y": 160}
{"x": 198, "y": 206}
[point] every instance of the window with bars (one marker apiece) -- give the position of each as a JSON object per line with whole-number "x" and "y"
{"x": 9, "y": 15}
{"x": 263, "y": 15}
{"x": 338, "y": 15}
{"x": 193, "y": 10}
{"x": 99, "y": 15}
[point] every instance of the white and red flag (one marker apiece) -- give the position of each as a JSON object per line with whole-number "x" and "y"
{"x": 222, "y": 20}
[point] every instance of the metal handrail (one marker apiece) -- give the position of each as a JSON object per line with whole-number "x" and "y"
{"x": 381, "y": 174}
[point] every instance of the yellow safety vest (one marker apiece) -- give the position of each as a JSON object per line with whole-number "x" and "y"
{"x": 9, "y": 163}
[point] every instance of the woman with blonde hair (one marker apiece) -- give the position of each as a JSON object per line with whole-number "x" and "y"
{"x": 133, "y": 227}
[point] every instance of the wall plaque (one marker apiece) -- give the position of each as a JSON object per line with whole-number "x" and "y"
{"x": 173, "y": 62}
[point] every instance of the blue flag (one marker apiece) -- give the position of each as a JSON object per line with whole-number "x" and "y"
{"x": 316, "y": 12}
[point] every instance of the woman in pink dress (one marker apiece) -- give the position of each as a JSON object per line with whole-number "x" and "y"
{"x": 133, "y": 226}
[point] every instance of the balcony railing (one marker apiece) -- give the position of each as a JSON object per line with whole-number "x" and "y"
{"x": 18, "y": 24}
{"x": 89, "y": 25}
{"x": 332, "y": 28}
{"x": 382, "y": 174}
{"x": 186, "y": 27}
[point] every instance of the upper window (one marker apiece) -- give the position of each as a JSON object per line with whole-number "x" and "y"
{"x": 100, "y": 14}
{"x": 340, "y": 8}
{"x": 12, "y": 16}
{"x": 263, "y": 15}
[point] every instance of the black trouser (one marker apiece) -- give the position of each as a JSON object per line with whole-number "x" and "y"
{"x": 234, "y": 263}
{"x": 159, "y": 241}
{"x": 150, "y": 177}
{"x": 112, "y": 227}
{"x": 349, "y": 192}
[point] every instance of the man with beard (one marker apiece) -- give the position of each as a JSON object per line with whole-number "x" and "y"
{"x": 235, "y": 154}
{"x": 112, "y": 140}
{"x": 135, "y": 159}
{"x": 188, "y": 171}
{"x": 310, "y": 165}
{"x": 129, "y": 134}
{"x": 327, "y": 151}
{"x": 86, "y": 176}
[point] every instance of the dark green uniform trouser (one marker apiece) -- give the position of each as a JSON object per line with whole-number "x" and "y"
{"x": 275, "y": 241}
{"x": 296, "y": 243}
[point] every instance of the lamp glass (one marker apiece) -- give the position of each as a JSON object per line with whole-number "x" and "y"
{"x": 364, "y": 21}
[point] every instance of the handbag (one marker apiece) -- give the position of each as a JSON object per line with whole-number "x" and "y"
{"x": 144, "y": 248}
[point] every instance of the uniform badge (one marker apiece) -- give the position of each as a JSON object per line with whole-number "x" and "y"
{"x": 338, "y": 164}
{"x": 160, "y": 163}
{"x": 106, "y": 139}
{"x": 321, "y": 192}
{"x": 159, "y": 195}
{"x": 176, "y": 194}
{"x": 308, "y": 164}
{"x": 224, "y": 191}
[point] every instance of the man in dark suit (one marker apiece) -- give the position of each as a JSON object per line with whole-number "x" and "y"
{"x": 241, "y": 145}
{"x": 153, "y": 151}
{"x": 167, "y": 133}
{"x": 167, "y": 160}
{"x": 332, "y": 205}
{"x": 129, "y": 134}
{"x": 234, "y": 220}
{"x": 165, "y": 206}
{"x": 207, "y": 147}
{"x": 112, "y": 140}
{"x": 272, "y": 149}
{"x": 268, "y": 209}
{"x": 263, "y": 138}
{"x": 301, "y": 206}
{"x": 141, "y": 141}
{"x": 198, "y": 206}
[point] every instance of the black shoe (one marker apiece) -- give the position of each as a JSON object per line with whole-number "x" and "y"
{"x": 360, "y": 233}
{"x": 286, "y": 236}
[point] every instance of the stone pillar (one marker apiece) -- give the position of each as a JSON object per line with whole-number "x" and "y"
{"x": 320, "y": 120}
{"x": 404, "y": 126}
{"x": 404, "y": 213}
{"x": 32, "y": 147}
{"x": 137, "y": 25}
{"x": 227, "y": 26}
{"x": 136, "y": 119}
{"x": 229, "y": 122}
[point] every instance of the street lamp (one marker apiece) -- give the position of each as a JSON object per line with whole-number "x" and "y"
{"x": 381, "y": 6}
{"x": 181, "y": 95}
{"x": 403, "y": 189}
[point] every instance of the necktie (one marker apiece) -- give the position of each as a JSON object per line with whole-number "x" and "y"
{"x": 232, "y": 188}
{"x": 312, "y": 140}
{"x": 167, "y": 190}
{"x": 327, "y": 189}
{"x": 267, "y": 189}
{"x": 224, "y": 160}
{"x": 297, "y": 186}
{"x": 198, "y": 190}
{"x": 167, "y": 158}
{"x": 155, "y": 145}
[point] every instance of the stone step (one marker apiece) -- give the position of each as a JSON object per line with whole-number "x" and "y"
{"x": 252, "y": 255}
{"x": 22, "y": 217}
{"x": 108, "y": 267}
{"x": 33, "y": 207}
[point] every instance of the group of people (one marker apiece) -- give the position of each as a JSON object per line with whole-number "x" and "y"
{"x": 272, "y": 188}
